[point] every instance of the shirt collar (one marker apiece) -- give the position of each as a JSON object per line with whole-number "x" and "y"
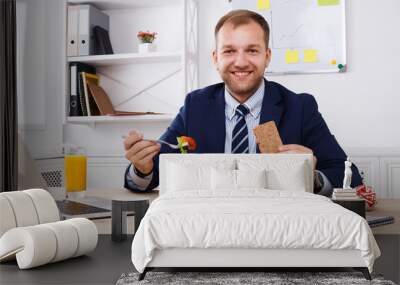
{"x": 254, "y": 103}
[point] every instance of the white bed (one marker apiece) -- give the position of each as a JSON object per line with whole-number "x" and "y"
{"x": 219, "y": 210}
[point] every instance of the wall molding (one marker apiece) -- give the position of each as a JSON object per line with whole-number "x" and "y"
{"x": 391, "y": 179}
{"x": 373, "y": 151}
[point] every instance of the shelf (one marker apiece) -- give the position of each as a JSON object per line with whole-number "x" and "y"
{"x": 127, "y": 58}
{"x": 124, "y": 4}
{"x": 120, "y": 119}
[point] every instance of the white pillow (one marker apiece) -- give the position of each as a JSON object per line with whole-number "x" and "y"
{"x": 237, "y": 179}
{"x": 190, "y": 176}
{"x": 223, "y": 179}
{"x": 284, "y": 174}
{"x": 251, "y": 178}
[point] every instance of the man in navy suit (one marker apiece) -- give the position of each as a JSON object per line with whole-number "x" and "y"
{"x": 221, "y": 117}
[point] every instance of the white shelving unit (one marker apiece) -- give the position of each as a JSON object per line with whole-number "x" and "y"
{"x": 127, "y": 58}
{"x": 120, "y": 119}
{"x": 176, "y": 62}
{"x": 125, "y": 4}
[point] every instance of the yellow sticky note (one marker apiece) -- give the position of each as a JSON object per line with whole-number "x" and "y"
{"x": 291, "y": 56}
{"x": 333, "y": 61}
{"x": 328, "y": 2}
{"x": 310, "y": 55}
{"x": 263, "y": 4}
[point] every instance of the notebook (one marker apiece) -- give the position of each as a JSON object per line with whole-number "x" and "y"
{"x": 374, "y": 221}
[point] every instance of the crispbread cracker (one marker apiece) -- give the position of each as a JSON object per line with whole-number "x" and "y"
{"x": 267, "y": 137}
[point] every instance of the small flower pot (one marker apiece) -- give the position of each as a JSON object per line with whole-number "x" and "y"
{"x": 147, "y": 47}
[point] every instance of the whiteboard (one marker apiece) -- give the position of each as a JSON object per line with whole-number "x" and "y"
{"x": 306, "y": 36}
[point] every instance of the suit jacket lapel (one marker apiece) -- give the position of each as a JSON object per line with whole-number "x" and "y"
{"x": 216, "y": 121}
{"x": 271, "y": 109}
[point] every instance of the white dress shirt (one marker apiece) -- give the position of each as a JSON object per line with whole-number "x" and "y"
{"x": 254, "y": 104}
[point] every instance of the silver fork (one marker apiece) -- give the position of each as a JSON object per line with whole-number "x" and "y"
{"x": 174, "y": 146}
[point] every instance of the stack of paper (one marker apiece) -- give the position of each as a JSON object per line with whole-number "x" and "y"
{"x": 344, "y": 194}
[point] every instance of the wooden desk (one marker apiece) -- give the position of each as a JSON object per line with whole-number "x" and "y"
{"x": 120, "y": 194}
{"x": 387, "y": 207}
{"x": 388, "y": 239}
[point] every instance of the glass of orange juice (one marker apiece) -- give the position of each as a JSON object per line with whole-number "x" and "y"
{"x": 75, "y": 169}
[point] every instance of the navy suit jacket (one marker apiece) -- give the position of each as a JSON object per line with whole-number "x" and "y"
{"x": 296, "y": 115}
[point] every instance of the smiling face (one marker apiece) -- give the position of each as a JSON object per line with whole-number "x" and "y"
{"x": 241, "y": 56}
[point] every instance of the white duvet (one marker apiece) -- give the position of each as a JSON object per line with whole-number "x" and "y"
{"x": 252, "y": 218}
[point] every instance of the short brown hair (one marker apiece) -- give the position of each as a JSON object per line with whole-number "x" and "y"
{"x": 241, "y": 17}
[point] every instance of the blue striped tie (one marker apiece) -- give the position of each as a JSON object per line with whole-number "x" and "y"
{"x": 240, "y": 134}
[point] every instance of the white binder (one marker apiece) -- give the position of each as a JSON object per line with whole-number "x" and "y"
{"x": 90, "y": 16}
{"x": 72, "y": 31}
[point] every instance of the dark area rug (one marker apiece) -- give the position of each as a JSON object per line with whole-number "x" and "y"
{"x": 243, "y": 278}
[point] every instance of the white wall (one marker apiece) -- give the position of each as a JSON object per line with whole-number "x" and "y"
{"x": 360, "y": 106}
{"x": 39, "y": 75}
{"x": 353, "y": 103}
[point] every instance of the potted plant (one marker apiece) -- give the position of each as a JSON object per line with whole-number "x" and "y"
{"x": 146, "y": 41}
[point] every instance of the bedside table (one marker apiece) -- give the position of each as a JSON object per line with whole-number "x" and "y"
{"x": 356, "y": 205}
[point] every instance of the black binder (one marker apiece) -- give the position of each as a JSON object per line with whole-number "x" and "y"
{"x": 75, "y": 68}
{"x": 102, "y": 43}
